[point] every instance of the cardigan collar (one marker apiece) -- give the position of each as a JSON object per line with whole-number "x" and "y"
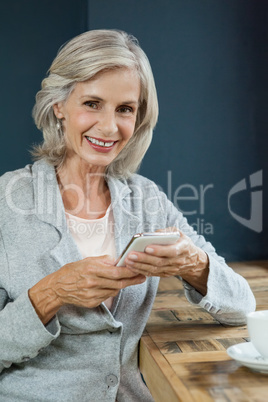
{"x": 50, "y": 209}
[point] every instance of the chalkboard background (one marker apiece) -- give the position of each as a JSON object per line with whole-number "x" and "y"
{"x": 210, "y": 61}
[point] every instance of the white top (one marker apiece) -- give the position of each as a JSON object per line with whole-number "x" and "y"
{"x": 94, "y": 237}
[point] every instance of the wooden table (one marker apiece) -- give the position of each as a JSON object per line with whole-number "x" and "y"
{"x": 183, "y": 350}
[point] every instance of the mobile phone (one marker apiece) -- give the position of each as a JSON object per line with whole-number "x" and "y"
{"x": 141, "y": 240}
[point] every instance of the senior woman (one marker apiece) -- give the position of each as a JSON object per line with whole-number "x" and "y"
{"x": 71, "y": 320}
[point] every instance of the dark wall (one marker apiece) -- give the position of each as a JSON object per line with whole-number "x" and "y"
{"x": 210, "y": 64}
{"x": 30, "y": 34}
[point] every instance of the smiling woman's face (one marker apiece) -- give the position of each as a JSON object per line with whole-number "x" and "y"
{"x": 99, "y": 117}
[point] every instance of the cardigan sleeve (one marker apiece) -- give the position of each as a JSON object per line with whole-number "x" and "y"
{"x": 229, "y": 297}
{"x": 22, "y": 333}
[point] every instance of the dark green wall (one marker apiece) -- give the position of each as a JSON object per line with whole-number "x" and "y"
{"x": 210, "y": 62}
{"x": 30, "y": 34}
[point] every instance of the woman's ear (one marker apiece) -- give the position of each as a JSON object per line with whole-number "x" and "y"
{"x": 57, "y": 108}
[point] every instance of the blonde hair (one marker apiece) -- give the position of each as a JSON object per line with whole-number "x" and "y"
{"x": 79, "y": 60}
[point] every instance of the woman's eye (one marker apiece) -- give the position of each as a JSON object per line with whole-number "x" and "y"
{"x": 125, "y": 109}
{"x": 92, "y": 105}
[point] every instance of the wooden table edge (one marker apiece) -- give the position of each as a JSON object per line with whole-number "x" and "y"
{"x": 163, "y": 386}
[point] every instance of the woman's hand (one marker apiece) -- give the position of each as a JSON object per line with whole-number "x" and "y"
{"x": 85, "y": 283}
{"x": 182, "y": 258}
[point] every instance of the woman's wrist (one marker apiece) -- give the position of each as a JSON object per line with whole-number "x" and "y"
{"x": 198, "y": 276}
{"x": 44, "y": 300}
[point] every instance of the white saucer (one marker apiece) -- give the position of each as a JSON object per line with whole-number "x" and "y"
{"x": 246, "y": 354}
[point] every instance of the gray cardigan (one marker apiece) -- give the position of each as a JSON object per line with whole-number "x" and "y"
{"x": 86, "y": 354}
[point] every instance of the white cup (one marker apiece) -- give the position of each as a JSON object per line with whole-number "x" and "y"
{"x": 257, "y": 322}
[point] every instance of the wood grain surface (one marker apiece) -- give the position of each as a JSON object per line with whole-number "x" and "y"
{"x": 183, "y": 350}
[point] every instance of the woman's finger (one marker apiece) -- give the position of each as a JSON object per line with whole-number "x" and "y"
{"x": 98, "y": 268}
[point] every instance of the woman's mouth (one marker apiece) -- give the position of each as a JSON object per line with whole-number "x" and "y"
{"x": 100, "y": 145}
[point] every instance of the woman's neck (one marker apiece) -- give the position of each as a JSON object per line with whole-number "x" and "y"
{"x": 84, "y": 190}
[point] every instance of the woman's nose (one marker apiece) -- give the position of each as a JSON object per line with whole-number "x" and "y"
{"x": 107, "y": 124}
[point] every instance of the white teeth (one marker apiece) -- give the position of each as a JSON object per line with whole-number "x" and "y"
{"x": 101, "y": 143}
